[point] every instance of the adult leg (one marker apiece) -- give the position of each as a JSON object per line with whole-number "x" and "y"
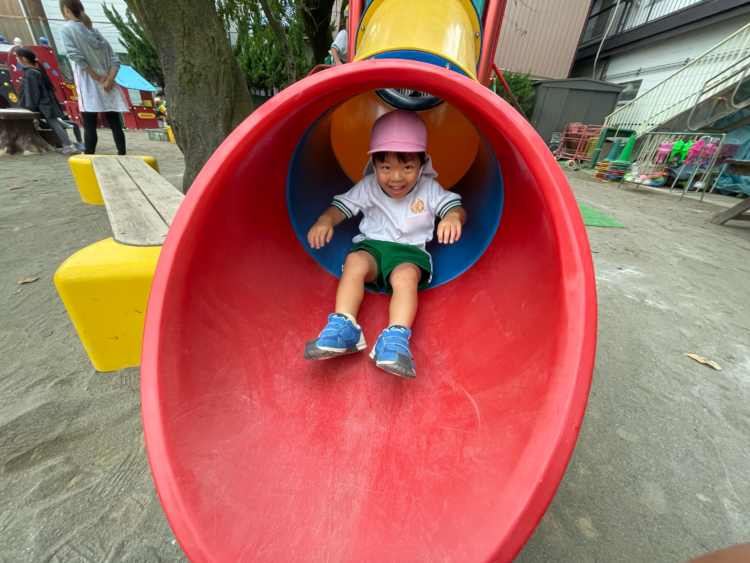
{"x": 113, "y": 119}
{"x": 89, "y": 130}
{"x": 58, "y": 129}
{"x": 360, "y": 267}
{"x": 404, "y": 280}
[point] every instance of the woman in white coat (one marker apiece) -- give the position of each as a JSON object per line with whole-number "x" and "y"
{"x": 95, "y": 67}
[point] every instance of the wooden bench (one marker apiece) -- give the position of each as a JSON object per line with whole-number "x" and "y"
{"x": 18, "y": 134}
{"x": 736, "y": 213}
{"x": 105, "y": 286}
{"x": 140, "y": 203}
{"x": 81, "y": 165}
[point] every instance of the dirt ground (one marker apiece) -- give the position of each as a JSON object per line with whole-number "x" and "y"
{"x": 660, "y": 472}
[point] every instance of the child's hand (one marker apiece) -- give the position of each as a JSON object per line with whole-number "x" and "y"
{"x": 449, "y": 229}
{"x": 321, "y": 233}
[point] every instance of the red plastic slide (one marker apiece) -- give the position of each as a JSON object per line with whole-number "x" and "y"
{"x": 259, "y": 455}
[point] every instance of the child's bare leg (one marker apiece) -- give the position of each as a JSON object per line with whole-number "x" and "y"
{"x": 404, "y": 280}
{"x": 360, "y": 267}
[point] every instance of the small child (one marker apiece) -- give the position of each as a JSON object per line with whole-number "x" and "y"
{"x": 399, "y": 199}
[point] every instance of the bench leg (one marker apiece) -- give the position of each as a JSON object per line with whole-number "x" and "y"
{"x": 732, "y": 212}
{"x": 105, "y": 288}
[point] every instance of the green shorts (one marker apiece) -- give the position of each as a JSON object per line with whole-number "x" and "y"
{"x": 388, "y": 255}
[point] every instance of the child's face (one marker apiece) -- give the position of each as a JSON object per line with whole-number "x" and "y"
{"x": 398, "y": 178}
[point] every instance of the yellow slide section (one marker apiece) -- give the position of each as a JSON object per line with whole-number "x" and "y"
{"x": 452, "y": 140}
{"x": 449, "y": 29}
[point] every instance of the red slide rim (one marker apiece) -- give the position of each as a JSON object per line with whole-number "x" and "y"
{"x": 479, "y": 104}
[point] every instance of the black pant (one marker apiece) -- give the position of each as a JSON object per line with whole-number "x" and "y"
{"x": 89, "y": 131}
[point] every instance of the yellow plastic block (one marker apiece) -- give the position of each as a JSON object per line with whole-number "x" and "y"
{"x": 83, "y": 172}
{"x": 171, "y": 135}
{"x": 105, "y": 288}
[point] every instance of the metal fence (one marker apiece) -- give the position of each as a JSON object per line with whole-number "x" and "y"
{"x": 704, "y": 80}
{"x": 628, "y": 15}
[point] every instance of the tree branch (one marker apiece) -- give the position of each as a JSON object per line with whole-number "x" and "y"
{"x": 291, "y": 64}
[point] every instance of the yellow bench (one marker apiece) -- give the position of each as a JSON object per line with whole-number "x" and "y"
{"x": 83, "y": 173}
{"x": 105, "y": 287}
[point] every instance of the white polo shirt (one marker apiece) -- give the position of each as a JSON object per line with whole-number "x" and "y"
{"x": 341, "y": 44}
{"x": 409, "y": 220}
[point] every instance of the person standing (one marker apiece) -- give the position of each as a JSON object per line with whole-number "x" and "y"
{"x": 95, "y": 67}
{"x": 340, "y": 46}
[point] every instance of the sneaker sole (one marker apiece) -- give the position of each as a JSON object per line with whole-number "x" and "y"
{"x": 400, "y": 368}
{"x": 314, "y": 353}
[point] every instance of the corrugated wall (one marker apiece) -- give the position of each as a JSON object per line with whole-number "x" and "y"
{"x": 541, "y": 36}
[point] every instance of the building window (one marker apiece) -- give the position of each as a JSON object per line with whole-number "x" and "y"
{"x": 629, "y": 93}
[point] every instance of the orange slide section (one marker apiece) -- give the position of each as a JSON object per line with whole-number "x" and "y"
{"x": 451, "y": 154}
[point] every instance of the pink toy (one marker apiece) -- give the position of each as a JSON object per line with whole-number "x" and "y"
{"x": 695, "y": 150}
{"x": 711, "y": 147}
{"x": 664, "y": 150}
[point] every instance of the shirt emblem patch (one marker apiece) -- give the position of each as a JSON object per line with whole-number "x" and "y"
{"x": 417, "y": 206}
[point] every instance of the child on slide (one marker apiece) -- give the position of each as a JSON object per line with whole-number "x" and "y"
{"x": 399, "y": 199}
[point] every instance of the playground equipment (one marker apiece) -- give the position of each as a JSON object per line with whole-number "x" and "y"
{"x": 136, "y": 89}
{"x": 139, "y": 94}
{"x": 85, "y": 177}
{"x": 603, "y": 165}
{"x": 679, "y": 156}
{"x": 105, "y": 286}
{"x": 12, "y": 75}
{"x": 578, "y": 142}
{"x": 259, "y": 455}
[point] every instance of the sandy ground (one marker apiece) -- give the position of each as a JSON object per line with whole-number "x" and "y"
{"x": 660, "y": 472}
{"x": 74, "y": 478}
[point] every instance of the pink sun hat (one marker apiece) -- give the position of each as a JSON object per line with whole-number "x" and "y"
{"x": 398, "y": 131}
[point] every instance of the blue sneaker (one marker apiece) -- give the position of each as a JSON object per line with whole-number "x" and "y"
{"x": 340, "y": 336}
{"x": 392, "y": 352}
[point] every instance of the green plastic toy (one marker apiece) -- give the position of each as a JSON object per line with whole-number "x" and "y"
{"x": 674, "y": 155}
{"x": 684, "y": 151}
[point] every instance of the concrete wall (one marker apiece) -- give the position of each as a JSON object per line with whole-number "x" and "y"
{"x": 541, "y": 36}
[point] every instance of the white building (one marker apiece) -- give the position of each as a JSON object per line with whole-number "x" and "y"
{"x": 649, "y": 40}
{"x": 95, "y": 12}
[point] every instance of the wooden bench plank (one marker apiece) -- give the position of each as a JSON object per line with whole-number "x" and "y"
{"x": 134, "y": 220}
{"x": 165, "y": 198}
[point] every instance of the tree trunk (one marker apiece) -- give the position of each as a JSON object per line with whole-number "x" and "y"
{"x": 205, "y": 88}
{"x": 316, "y": 15}
{"x": 291, "y": 64}
{"x": 18, "y": 134}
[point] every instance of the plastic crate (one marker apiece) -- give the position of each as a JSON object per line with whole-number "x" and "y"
{"x": 157, "y": 135}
